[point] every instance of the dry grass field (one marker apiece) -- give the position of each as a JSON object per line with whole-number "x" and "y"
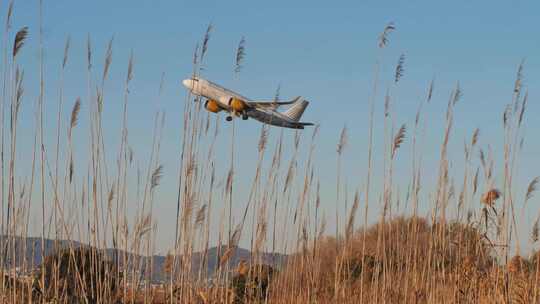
{"x": 464, "y": 249}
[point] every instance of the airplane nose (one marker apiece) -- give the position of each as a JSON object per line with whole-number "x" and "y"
{"x": 187, "y": 83}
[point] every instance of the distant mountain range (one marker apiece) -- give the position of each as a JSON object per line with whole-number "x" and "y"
{"x": 31, "y": 247}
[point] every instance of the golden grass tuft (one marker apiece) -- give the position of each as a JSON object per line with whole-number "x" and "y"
{"x": 458, "y": 252}
{"x": 490, "y": 197}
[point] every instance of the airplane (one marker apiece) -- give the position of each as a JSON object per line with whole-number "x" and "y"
{"x": 220, "y": 99}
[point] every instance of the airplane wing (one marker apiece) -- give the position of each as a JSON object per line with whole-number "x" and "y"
{"x": 271, "y": 104}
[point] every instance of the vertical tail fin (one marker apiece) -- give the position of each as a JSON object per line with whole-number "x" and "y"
{"x": 297, "y": 109}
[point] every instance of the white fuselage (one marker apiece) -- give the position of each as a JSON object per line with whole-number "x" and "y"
{"x": 210, "y": 90}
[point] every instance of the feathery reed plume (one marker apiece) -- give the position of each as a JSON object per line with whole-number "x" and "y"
{"x": 482, "y": 158}
{"x": 240, "y": 54}
{"x": 161, "y": 85}
{"x": 461, "y": 199}
{"x": 315, "y": 131}
{"x": 399, "y": 68}
{"x": 458, "y": 93}
{"x": 398, "y": 139}
{"x": 475, "y": 137}
{"x": 9, "y": 14}
{"x": 263, "y": 139}
{"x": 352, "y": 214}
{"x": 156, "y": 176}
{"x": 383, "y": 38}
{"x": 340, "y": 148}
{"x": 451, "y": 192}
{"x": 235, "y": 237}
{"x": 229, "y": 181}
{"x": 289, "y": 176}
{"x": 322, "y": 229}
{"x": 519, "y": 78}
{"x": 206, "y": 39}
{"x": 523, "y": 107}
{"x": 532, "y": 188}
{"x": 66, "y": 52}
{"x": 262, "y": 228}
{"x": 475, "y": 181}
{"x": 75, "y": 113}
{"x": 19, "y": 90}
{"x": 343, "y": 140}
{"x": 387, "y": 103}
{"x": 99, "y": 97}
{"x": 226, "y": 256}
{"x": 278, "y": 92}
{"x": 242, "y": 268}
{"x": 506, "y": 114}
{"x": 535, "y": 233}
{"x": 430, "y": 90}
{"x": 231, "y": 247}
{"x": 195, "y": 59}
{"x": 110, "y": 197}
{"x": 130, "y": 68}
{"x": 20, "y": 37}
{"x": 490, "y": 197}
{"x": 143, "y": 227}
{"x": 130, "y": 154}
{"x": 88, "y": 52}
{"x": 108, "y": 59}
{"x": 71, "y": 171}
{"x": 201, "y": 214}
{"x": 304, "y": 237}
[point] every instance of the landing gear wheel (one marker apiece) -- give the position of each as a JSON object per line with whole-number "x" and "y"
{"x": 228, "y": 118}
{"x": 244, "y": 117}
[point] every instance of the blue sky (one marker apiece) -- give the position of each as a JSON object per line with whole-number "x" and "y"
{"x": 323, "y": 50}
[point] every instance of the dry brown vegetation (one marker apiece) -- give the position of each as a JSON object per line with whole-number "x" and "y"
{"x": 457, "y": 248}
{"x": 405, "y": 260}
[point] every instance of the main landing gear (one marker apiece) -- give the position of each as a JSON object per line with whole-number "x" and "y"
{"x": 230, "y": 118}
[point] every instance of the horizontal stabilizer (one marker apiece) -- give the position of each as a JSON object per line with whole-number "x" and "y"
{"x": 272, "y": 104}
